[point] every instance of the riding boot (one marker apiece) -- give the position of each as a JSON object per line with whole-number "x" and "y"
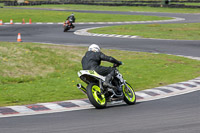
{"x": 108, "y": 79}
{"x": 107, "y": 83}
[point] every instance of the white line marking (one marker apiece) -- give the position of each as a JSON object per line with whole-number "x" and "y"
{"x": 52, "y": 106}
{"x": 80, "y": 103}
{"x": 195, "y": 80}
{"x": 190, "y": 83}
{"x": 170, "y": 88}
{"x": 180, "y": 85}
{"x": 142, "y": 94}
{"x": 170, "y": 94}
{"x": 21, "y": 109}
{"x": 118, "y": 36}
{"x": 155, "y": 91}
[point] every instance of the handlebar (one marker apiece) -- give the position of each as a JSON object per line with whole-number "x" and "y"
{"x": 117, "y": 65}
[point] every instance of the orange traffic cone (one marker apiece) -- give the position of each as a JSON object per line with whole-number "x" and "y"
{"x": 23, "y": 21}
{"x": 1, "y": 22}
{"x": 11, "y": 21}
{"x": 19, "y": 38}
{"x": 30, "y": 21}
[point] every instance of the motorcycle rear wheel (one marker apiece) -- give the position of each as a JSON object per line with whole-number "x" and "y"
{"x": 97, "y": 99}
{"x": 129, "y": 94}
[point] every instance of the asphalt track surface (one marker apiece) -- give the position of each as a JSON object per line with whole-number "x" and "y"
{"x": 178, "y": 114}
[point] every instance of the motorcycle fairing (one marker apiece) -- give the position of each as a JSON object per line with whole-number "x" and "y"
{"x": 90, "y": 73}
{"x": 90, "y": 76}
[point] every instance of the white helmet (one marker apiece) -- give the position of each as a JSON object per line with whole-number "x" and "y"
{"x": 94, "y": 48}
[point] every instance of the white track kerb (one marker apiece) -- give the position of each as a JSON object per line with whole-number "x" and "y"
{"x": 84, "y": 32}
{"x": 145, "y": 95}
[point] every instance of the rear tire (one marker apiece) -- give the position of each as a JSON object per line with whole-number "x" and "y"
{"x": 129, "y": 94}
{"x": 97, "y": 99}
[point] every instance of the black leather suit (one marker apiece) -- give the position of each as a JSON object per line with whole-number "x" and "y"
{"x": 71, "y": 20}
{"x": 92, "y": 61}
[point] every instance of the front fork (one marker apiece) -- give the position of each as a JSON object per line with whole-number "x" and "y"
{"x": 101, "y": 86}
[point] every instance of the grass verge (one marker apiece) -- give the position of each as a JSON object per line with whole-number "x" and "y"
{"x": 119, "y": 8}
{"x": 189, "y": 31}
{"x": 59, "y": 16}
{"x": 32, "y": 73}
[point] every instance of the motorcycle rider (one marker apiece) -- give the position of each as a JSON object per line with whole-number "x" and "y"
{"x": 71, "y": 19}
{"x": 92, "y": 61}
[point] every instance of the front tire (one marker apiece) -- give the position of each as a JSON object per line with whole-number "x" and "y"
{"x": 66, "y": 28}
{"x": 129, "y": 94}
{"x": 97, "y": 99}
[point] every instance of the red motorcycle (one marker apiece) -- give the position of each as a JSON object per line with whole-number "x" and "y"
{"x": 67, "y": 26}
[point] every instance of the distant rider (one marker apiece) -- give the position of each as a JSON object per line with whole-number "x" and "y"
{"x": 71, "y": 19}
{"x": 92, "y": 61}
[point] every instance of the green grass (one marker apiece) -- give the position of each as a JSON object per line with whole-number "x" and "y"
{"x": 189, "y": 31}
{"x": 59, "y": 16}
{"x": 32, "y": 73}
{"x": 120, "y": 8}
{"x": 189, "y": 4}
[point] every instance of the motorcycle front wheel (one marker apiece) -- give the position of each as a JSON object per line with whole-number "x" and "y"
{"x": 66, "y": 28}
{"x": 129, "y": 94}
{"x": 97, "y": 99}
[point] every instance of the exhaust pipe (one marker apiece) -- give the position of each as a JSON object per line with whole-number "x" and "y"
{"x": 82, "y": 88}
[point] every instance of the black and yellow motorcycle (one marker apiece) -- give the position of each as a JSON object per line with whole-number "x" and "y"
{"x": 99, "y": 95}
